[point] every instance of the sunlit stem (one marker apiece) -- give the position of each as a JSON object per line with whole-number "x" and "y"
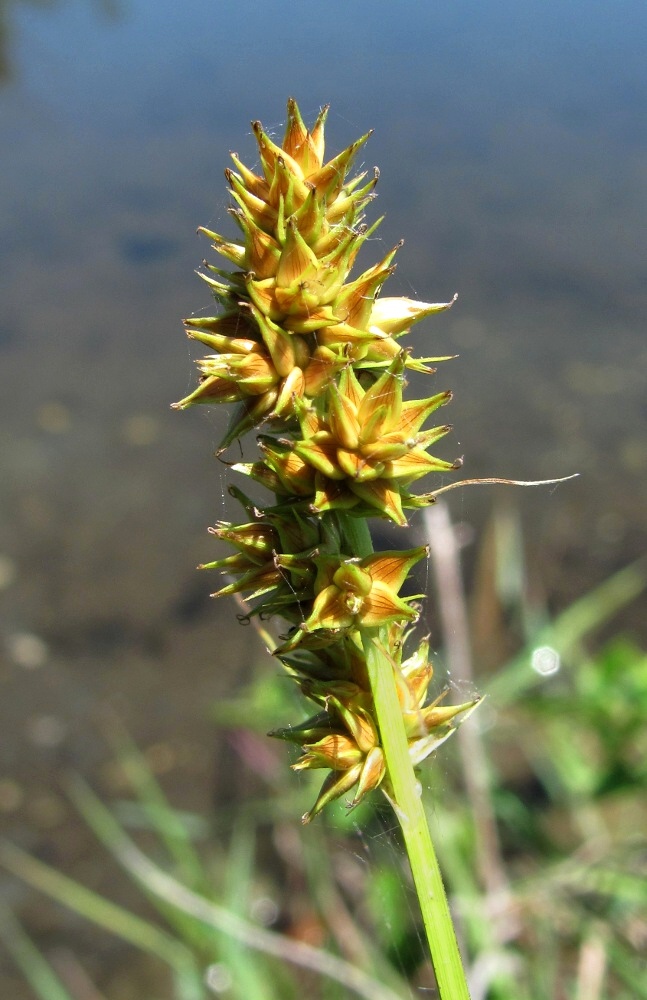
{"x": 407, "y": 801}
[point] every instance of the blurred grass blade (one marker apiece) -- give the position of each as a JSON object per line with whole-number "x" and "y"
{"x": 619, "y": 886}
{"x": 351, "y": 936}
{"x": 251, "y": 979}
{"x": 131, "y": 928}
{"x": 109, "y": 831}
{"x": 567, "y": 631}
{"x": 629, "y": 968}
{"x": 164, "y": 819}
{"x": 33, "y": 965}
{"x": 159, "y": 883}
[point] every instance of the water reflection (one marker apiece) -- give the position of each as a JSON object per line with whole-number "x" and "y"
{"x": 513, "y": 154}
{"x": 109, "y": 9}
{"x": 7, "y": 35}
{"x": 512, "y": 160}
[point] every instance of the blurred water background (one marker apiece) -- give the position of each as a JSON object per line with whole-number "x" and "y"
{"x": 512, "y": 144}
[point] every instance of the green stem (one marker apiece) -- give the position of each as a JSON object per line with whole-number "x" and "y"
{"x": 443, "y": 946}
{"x": 445, "y": 956}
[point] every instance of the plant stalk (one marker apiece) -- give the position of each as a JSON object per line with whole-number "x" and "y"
{"x": 443, "y": 946}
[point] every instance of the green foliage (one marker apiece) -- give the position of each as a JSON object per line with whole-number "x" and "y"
{"x": 566, "y": 780}
{"x": 201, "y": 941}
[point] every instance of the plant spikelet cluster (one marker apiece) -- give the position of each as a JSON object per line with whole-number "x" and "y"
{"x": 313, "y": 361}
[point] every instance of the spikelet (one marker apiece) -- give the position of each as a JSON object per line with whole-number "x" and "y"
{"x": 290, "y": 318}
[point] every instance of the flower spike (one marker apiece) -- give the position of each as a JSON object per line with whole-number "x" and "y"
{"x": 311, "y": 356}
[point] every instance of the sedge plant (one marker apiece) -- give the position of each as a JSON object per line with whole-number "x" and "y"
{"x": 315, "y": 363}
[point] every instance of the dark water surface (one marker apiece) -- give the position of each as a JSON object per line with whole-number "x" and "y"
{"x": 512, "y": 140}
